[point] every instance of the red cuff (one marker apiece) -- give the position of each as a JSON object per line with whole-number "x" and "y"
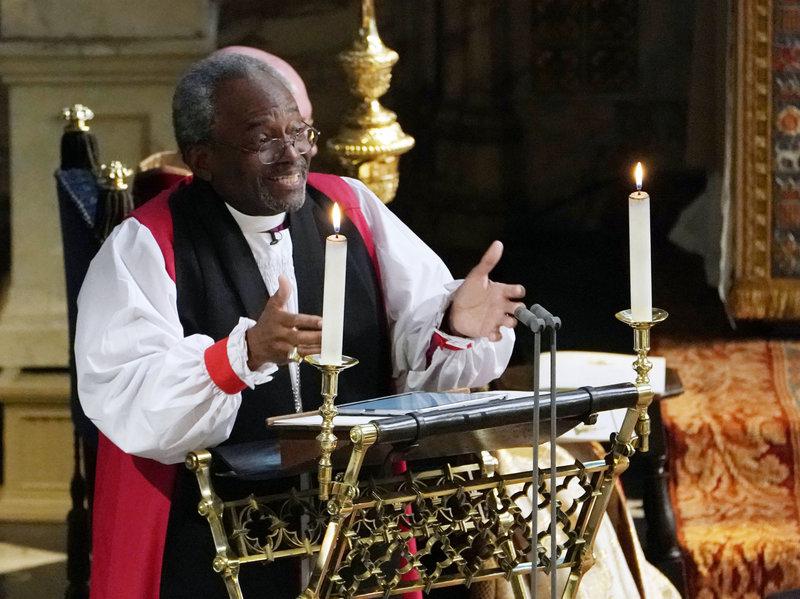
{"x": 439, "y": 342}
{"x": 219, "y": 368}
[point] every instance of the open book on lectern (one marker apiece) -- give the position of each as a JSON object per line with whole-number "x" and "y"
{"x": 574, "y": 369}
{"x": 361, "y": 412}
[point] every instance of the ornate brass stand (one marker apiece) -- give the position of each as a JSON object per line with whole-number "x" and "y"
{"x": 326, "y": 438}
{"x": 642, "y": 366}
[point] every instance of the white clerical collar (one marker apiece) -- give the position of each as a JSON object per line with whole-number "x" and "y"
{"x": 255, "y": 224}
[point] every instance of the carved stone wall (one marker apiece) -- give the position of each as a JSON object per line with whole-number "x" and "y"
{"x": 122, "y": 59}
{"x": 52, "y": 55}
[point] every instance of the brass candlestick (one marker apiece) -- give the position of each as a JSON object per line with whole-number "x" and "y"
{"x": 327, "y": 440}
{"x": 642, "y": 366}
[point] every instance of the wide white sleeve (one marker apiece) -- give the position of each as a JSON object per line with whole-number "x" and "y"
{"x": 417, "y": 287}
{"x": 145, "y": 385}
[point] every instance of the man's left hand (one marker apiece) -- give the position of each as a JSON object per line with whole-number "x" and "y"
{"x": 480, "y": 306}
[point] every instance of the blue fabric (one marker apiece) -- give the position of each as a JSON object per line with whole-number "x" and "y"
{"x": 78, "y": 194}
{"x": 79, "y": 187}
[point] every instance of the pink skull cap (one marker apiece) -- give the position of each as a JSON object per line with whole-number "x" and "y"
{"x": 290, "y": 76}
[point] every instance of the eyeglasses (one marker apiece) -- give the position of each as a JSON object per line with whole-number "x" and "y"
{"x": 272, "y": 150}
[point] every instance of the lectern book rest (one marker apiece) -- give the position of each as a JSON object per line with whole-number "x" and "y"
{"x": 445, "y": 424}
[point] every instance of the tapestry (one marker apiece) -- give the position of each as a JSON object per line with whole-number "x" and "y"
{"x": 786, "y": 139}
{"x": 761, "y": 242}
{"x": 734, "y": 452}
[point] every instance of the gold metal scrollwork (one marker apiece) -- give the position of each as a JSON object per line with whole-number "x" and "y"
{"x": 467, "y": 523}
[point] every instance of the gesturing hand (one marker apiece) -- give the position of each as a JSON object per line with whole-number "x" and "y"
{"x": 277, "y": 331}
{"x": 480, "y": 306}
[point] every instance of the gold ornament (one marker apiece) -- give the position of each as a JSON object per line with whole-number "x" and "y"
{"x": 371, "y": 140}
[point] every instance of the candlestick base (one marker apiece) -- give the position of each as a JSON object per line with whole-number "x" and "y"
{"x": 626, "y": 316}
{"x": 642, "y": 366}
{"x": 327, "y": 440}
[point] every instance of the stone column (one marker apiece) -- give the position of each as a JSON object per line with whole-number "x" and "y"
{"x": 121, "y": 59}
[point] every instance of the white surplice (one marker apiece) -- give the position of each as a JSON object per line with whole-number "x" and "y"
{"x": 145, "y": 385}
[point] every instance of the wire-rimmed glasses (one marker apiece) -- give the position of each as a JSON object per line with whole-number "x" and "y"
{"x": 272, "y": 150}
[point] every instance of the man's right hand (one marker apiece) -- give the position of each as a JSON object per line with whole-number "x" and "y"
{"x": 278, "y": 332}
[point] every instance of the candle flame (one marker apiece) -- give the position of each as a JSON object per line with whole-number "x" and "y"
{"x": 336, "y": 217}
{"x": 638, "y": 174}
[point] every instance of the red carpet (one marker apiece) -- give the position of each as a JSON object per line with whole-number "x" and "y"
{"x": 734, "y": 443}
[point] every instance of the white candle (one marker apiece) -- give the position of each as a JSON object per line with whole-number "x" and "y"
{"x": 333, "y": 294}
{"x": 639, "y": 235}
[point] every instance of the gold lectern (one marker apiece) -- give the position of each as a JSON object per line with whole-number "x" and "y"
{"x": 464, "y": 519}
{"x": 466, "y": 523}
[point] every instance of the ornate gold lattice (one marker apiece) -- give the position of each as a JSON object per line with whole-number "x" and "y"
{"x": 467, "y": 525}
{"x": 467, "y": 522}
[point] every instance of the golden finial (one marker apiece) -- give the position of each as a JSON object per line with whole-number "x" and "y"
{"x": 76, "y": 117}
{"x": 116, "y": 174}
{"x": 371, "y": 140}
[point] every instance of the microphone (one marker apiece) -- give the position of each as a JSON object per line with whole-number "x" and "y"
{"x": 550, "y": 321}
{"x": 553, "y": 323}
{"x": 527, "y": 318}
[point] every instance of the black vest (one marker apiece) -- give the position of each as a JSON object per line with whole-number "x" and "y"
{"x": 217, "y": 282}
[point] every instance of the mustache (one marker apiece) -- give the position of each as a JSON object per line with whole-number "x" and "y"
{"x": 285, "y": 168}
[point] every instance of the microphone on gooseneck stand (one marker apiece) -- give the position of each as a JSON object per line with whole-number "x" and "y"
{"x": 550, "y": 321}
{"x": 527, "y": 318}
{"x": 553, "y": 323}
{"x": 536, "y": 325}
